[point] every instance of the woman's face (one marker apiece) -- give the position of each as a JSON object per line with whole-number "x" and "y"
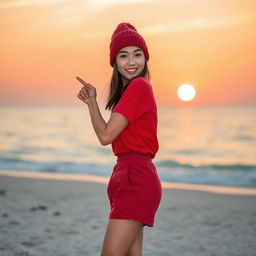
{"x": 130, "y": 62}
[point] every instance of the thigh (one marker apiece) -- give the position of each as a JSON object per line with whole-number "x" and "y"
{"x": 136, "y": 249}
{"x": 120, "y": 236}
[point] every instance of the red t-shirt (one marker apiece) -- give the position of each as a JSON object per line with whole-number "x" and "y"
{"x": 138, "y": 105}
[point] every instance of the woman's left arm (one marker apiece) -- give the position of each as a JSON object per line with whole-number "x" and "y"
{"x": 106, "y": 132}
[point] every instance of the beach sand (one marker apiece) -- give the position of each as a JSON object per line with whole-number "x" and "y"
{"x": 55, "y": 214}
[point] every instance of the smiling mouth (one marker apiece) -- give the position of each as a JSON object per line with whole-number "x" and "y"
{"x": 131, "y": 71}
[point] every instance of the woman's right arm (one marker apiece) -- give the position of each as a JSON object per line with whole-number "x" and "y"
{"x": 106, "y": 132}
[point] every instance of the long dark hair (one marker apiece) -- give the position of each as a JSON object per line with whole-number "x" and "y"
{"x": 116, "y": 85}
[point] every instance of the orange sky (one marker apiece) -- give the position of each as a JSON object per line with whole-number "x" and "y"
{"x": 46, "y": 43}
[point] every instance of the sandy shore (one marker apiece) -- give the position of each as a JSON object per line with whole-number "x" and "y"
{"x": 64, "y": 216}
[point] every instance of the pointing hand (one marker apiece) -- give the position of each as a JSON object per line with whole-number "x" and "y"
{"x": 87, "y": 92}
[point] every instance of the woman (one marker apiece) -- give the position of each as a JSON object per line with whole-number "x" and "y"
{"x": 134, "y": 189}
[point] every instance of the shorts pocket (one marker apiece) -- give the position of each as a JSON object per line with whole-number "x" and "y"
{"x": 125, "y": 176}
{"x": 120, "y": 179}
{"x": 113, "y": 182}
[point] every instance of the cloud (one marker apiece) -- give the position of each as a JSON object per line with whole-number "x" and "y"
{"x": 20, "y": 3}
{"x": 90, "y": 5}
{"x": 198, "y": 23}
{"x": 69, "y": 11}
{"x": 95, "y": 5}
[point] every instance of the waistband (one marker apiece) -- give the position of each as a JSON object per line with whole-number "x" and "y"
{"x": 136, "y": 155}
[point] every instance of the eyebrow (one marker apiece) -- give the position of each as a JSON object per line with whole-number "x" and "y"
{"x": 137, "y": 50}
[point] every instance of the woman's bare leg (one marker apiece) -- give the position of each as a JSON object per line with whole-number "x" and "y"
{"x": 120, "y": 236}
{"x": 136, "y": 249}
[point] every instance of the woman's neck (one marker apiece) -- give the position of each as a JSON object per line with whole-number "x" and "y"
{"x": 125, "y": 81}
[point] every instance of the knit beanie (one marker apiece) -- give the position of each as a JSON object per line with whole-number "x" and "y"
{"x": 126, "y": 35}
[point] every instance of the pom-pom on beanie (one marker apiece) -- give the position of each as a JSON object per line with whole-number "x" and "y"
{"x": 126, "y": 35}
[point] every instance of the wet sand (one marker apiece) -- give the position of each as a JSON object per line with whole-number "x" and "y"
{"x": 61, "y": 214}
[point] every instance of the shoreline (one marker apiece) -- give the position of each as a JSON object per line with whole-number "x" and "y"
{"x": 104, "y": 180}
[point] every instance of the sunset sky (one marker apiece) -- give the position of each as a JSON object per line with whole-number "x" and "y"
{"x": 210, "y": 44}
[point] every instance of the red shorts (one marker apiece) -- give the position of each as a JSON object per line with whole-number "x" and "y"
{"x": 134, "y": 189}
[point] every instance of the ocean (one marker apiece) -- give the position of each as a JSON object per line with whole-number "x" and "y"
{"x": 214, "y": 145}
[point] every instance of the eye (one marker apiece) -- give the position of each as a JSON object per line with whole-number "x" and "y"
{"x": 122, "y": 56}
{"x": 138, "y": 54}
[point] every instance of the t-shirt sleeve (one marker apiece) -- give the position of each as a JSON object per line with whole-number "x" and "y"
{"x": 136, "y": 100}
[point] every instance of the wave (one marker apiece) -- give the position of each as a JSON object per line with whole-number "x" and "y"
{"x": 16, "y": 163}
{"x": 169, "y": 171}
{"x": 163, "y": 163}
{"x": 233, "y": 167}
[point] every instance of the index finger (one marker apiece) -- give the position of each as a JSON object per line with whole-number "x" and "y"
{"x": 82, "y": 81}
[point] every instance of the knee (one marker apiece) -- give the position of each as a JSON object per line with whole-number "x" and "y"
{"x": 118, "y": 254}
{"x": 134, "y": 253}
{"x": 112, "y": 253}
{"x": 115, "y": 253}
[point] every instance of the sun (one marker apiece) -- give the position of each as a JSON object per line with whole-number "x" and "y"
{"x": 186, "y": 92}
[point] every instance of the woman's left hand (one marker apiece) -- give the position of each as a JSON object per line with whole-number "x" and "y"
{"x": 87, "y": 92}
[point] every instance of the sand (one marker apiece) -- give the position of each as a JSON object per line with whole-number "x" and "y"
{"x": 66, "y": 215}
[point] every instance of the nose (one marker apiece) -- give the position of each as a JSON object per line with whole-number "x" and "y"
{"x": 131, "y": 60}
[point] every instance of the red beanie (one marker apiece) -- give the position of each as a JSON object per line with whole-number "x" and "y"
{"x": 126, "y": 35}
